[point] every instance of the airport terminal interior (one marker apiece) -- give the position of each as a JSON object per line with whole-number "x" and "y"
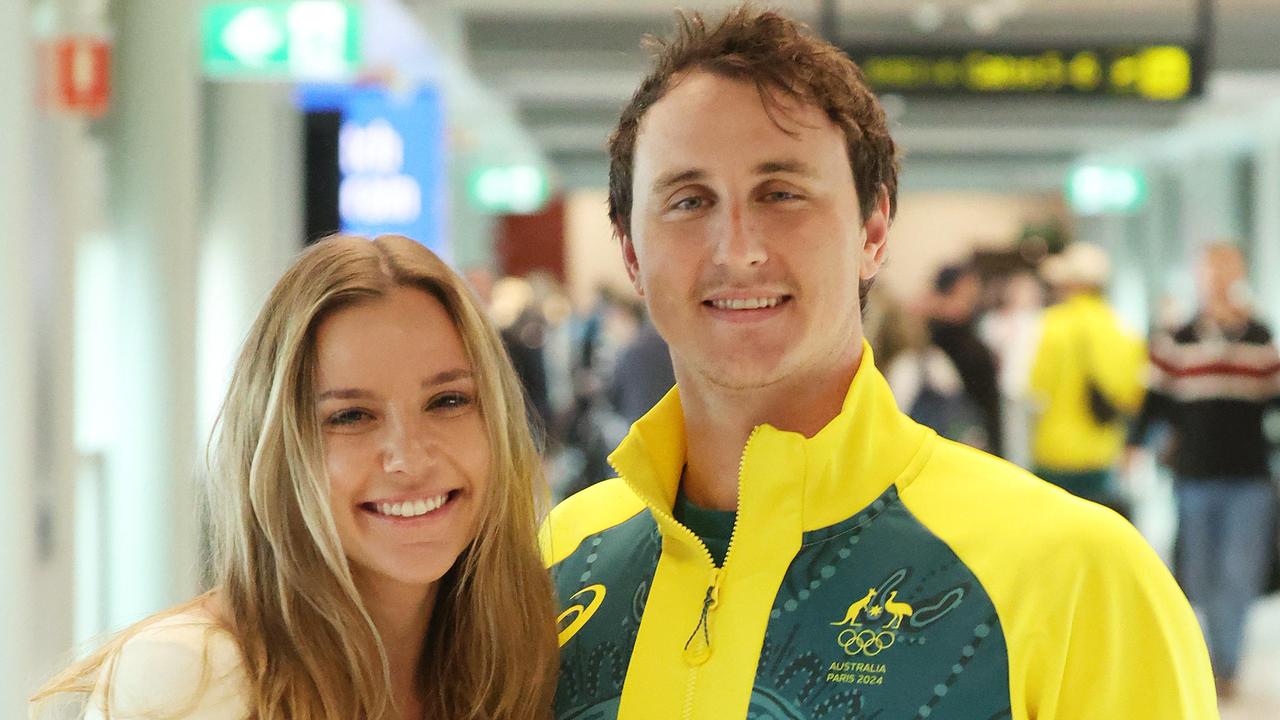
{"x": 162, "y": 162}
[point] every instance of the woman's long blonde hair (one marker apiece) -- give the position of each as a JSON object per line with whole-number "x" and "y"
{"x": 309, "y": 646}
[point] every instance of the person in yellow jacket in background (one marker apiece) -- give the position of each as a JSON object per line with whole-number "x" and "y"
{"x": 1086, "y": 378}
{"x": 782, "y": 540}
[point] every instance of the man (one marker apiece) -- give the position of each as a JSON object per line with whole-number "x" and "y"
{"x": 1086, "y": 377}
{"x": 953, "y": 328}
{"x": 1212, "y": 380}
{"x": 782, "y": 541}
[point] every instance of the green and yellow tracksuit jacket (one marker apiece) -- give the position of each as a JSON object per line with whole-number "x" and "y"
{"x": 875, "y": 571}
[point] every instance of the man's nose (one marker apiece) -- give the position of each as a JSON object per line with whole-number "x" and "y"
{"x": 740, "y": 240}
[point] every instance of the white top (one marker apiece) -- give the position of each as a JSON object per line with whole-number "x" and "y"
{"x": 912, "y": 370}
{"x": 160, "y": 673}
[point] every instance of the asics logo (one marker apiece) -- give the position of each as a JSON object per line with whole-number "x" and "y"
{"x": 576, "y": 616}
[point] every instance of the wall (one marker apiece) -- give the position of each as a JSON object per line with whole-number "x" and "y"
{"x": 592, "y": 257}
{"x": 526, "y": 243}
{"x": 938, "y": 227}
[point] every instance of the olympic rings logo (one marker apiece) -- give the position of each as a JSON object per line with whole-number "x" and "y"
{"x": 865, "y": 642}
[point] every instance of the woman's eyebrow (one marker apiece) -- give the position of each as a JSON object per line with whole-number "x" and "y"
{"x": 447, "y": 376}
{"x": 344, "y": 394}
{"x": 440, "y": 378}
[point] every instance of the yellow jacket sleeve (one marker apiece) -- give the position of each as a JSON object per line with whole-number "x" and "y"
{"x": 1095, "y": 625}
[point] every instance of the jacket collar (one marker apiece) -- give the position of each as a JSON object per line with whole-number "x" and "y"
{"x": 869, "y": 446}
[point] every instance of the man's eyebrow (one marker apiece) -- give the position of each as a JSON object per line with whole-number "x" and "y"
{"x": 675, "y": 177}
{"x": 793, "y": 167}
{"x": 439, "y": 378}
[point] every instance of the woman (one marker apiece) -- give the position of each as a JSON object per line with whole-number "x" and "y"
{"x": 373, "y": 512}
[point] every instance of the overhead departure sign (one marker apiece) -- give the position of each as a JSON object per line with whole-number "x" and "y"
{"x": 1155, "y": 73}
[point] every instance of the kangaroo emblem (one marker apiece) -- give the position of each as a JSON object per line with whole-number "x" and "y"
{"x": 898, "y": 610}
{"x": 851, "y": 616}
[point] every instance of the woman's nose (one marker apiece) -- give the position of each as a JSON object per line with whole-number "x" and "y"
{"x": 407, "y": 449}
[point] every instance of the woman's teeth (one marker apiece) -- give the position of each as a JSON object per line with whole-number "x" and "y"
{"x": 412, "y": 508}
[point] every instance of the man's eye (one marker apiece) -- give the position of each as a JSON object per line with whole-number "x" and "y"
{"x": 692, "y": 202}
{"x": 780, "y": 195}
{"x": 347, "y": 417}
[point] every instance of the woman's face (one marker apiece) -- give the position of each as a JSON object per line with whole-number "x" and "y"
{"x": 405, "y": 445}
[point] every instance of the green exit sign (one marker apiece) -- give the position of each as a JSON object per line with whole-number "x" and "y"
{"x": 304, "y": 39}
{"x": 518, "y": 189}
{"x": 1105, "y": 189}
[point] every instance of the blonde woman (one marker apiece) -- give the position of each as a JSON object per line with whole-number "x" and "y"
{"x": 372, "y": 500}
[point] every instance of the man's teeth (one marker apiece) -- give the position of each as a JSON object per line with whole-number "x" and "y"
{"x": 746, "y": 303}
{"x": 412, "y": 508}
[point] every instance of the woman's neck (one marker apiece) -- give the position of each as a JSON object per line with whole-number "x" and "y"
{"x": 402, "y": 615}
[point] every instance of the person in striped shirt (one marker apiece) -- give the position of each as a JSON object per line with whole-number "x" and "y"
{"x": 1211, "y": 382}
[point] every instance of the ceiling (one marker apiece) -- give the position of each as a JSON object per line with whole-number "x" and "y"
{"x": 569, "y": 66}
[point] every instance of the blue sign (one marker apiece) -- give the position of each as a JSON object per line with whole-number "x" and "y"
{"x": 392, "y": 164}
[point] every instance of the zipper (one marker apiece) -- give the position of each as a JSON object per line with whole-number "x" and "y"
{"x": 697, "y": 649}
{"x": 742, "y": 464}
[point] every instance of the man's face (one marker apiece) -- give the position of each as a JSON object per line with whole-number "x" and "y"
{"x": 746, "y": 239}
{"x": 1221, "y": 270}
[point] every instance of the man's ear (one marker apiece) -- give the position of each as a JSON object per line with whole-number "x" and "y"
{"x": 629, "y": 257}
{"x": 875, "y": 236}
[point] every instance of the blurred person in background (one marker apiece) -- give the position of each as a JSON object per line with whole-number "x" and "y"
{"x": 593, "y": 428}
{"x": 1086, "y": 378}
{"x": 1012, "y": 331}
{"x": 642, "y": 373}
{"x": 372, "y": 505}
{"x": 923, "y": 379}
{"x": 776, "y": 520}
{"x": 557, "y": 348}
{"x": 523, "y": 327}
{"x": 953, "y": 328}
{"x": 1211, "y": 381}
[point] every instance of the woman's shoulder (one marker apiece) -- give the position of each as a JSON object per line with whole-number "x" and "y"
{"x": 184, "y": 665}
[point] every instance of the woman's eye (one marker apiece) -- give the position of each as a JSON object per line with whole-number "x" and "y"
{"x": 347, "y": 417}
{"x": 449, "y": 401}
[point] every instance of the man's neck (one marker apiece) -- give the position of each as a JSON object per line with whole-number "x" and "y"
{"x": 718, "y": 421}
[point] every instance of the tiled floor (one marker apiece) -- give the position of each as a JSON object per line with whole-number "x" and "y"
{"x": 1259, "y": 695}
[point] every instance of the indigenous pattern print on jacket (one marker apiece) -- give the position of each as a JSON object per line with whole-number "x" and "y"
{"x": 852, "y": 630}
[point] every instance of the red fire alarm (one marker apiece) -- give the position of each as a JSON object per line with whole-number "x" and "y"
{"x": 81, "y": 75}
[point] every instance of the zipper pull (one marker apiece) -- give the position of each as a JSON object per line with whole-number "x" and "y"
{"x": 697, "y": 649}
